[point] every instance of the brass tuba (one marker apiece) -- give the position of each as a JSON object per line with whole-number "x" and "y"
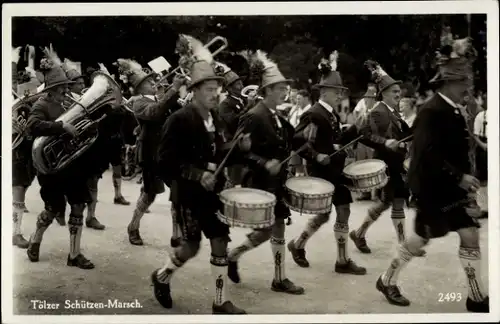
{"x": 52, "y": 154}
{"x": 20, "y": 113}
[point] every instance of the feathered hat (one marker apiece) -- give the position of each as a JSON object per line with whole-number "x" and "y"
{"x": 330, "y": 77}
{"x": 225, "y": 71}
{"x": 196, "y": 60}
{"x": 264, "y": 70}
{"x": 132, "y": 73}
{"x": 380, "y": 77}
{"x": 71, "y": 69}
{"x": 454, "y": 60}
{"x": 51, "y": 67}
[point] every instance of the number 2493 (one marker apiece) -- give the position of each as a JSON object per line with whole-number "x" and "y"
{"x": 449, "y": 297}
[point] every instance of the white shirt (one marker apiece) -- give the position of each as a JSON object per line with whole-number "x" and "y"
{"x": 410, "y": 119}
{"x": 297, "y": 113}
{"x": 154, "y": 98}
{"x": 480, "y": 124}
{"x": 360, "y": 108}
{"x": 275, "y": 117}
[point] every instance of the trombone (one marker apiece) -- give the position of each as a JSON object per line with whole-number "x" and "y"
{"x": 180, "y": 70}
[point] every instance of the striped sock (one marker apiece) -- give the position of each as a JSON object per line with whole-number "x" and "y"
{"x": 219, "y": 273}
{"x": 341, "y": 230}
{"x": 391, "y": 275}
{"x": 313, "y": 225}
{"x": 398, "y": 220}
{"x": 373, "y": 214}
{"x": 470, "y": 258}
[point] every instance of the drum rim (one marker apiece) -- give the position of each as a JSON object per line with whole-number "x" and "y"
{"x": 223, "y": 218}
{"x": 364, "y": 176}
{"x": 304, "y": 195}
{"x": 308, "y": 211}
{"x": 225, "y": 201}
{"x": 382, "y": 184}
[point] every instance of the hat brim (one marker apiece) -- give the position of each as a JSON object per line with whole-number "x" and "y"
{"x": 57, "y": 84}
{"x": 275, "y": 82}
{"x": 319, "y": 86}
{"x": 438, "y": 78}
{"x": 237, "y": 79}
{"x": 389, "y": 85}
{"x": 76, "y": 78}
{"x": 150, "y": 75}
{"x": 214, "y": 78}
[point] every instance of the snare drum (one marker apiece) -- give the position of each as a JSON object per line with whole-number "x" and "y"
{"x": 247, "y": 207}
{"x": 367, "y": 175}
{"x": 309, "y": 195}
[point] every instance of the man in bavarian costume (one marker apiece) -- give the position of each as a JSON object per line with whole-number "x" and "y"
{"x": 383, "y": 130}
{"x": 440, "y": 177}
{"x": 151, "y": 112}
{"x": 69, "y": 184}
{"x": 23, "y": 171}
{"x": 320, "y": 127}
{"x": 271, "y": 138}
{"x": 191, "y": 147}
{"x": 230, "y": 110}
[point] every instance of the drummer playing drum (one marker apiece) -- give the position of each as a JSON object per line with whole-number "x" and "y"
{"x": 383, "y": 130}
{"x": 188, "y": 165}
{"x": 271, "y": 136}
{"x": 320, "y": 126}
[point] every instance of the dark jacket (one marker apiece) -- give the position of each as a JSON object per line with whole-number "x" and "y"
{"x": 151, "y": 115}
{"x": 440, "y": 153}
{"x": 185, "y": 150}
{"x": 328, "y": 133}
{"x": 230, "y": 110}
{"x": 381, "y": 125}
{"x": 268, "y": 142}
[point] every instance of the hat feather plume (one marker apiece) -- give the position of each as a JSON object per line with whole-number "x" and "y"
{"x": 328, "y": 65}
{"x": 454, "y": 48}
{"x": 191, "y": 50}
{"x": 221, "y": 68}
{"x": 51, "y": 55}
{"x": 70, "y": 65}
{"x": 259, "y": 62}
{"x": 375, "y": 69}
{"x": 126, "y": 68}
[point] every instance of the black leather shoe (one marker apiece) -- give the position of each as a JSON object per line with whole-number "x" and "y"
{"x": 175, "y": 242}
{"x": 287, "y": 286}
{"x": 19, "y": 241}
{"x": 350, "y": 267}
{"x": 95, "y": 224}
{"x": 227, "y": 308}
{"x": 392, "y": 294}
{"x": 478, "y": 307}
{"x": 161, "y": 291}
{"x": 232, "y": 272}
{"x": 360, "y": 243}
{"x": 81, "y": 262}
{"x": 33, "y": 251}
{"x": 121, "y": 201}
{"x": 298, "y": 255}
{"x": 134, "y": 237}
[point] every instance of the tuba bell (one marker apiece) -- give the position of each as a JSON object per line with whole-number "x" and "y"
{"x": 20, "y": 113}
{"x": 52, "y": 154}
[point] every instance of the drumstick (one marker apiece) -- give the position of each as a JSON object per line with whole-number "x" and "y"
{"x": 347, "y": 145}
{"x": 221, "y": 165}
{"x": 303, "y": 147}
{"x": 405, "y": 139}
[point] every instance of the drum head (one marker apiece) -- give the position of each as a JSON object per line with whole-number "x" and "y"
{"x": 248, "y": 196}
{"x": 364, "y": 167}
{"x": 310, "y": 186}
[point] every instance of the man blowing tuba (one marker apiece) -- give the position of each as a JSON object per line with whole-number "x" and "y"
{"x": 69, "y": 184}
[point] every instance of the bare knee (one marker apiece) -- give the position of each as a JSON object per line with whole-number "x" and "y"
{"x": 219, "y": 246}
{"x": 415, "y": 242}
{"x": 117, "y": 171}
{"x": 188, "y": 250}
{"x": 278, "y": 228}
{"x": 77, "y": 209}
{"x": 257, "y": 237}
{"x": 343, "y": 213}
{"x": 469, "y": 237}
{"x": 398, "y": 203}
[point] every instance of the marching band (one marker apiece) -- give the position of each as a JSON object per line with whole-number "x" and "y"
{"x": 227, "y": 163}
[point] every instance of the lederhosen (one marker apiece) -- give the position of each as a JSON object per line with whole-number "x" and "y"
{"x": 23, "y": 170}
{"x": 182, "y": 163}
{"x": 440, "y": 156}
{"x": 270, "y": 140}
{"x": 328, "y": 134}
